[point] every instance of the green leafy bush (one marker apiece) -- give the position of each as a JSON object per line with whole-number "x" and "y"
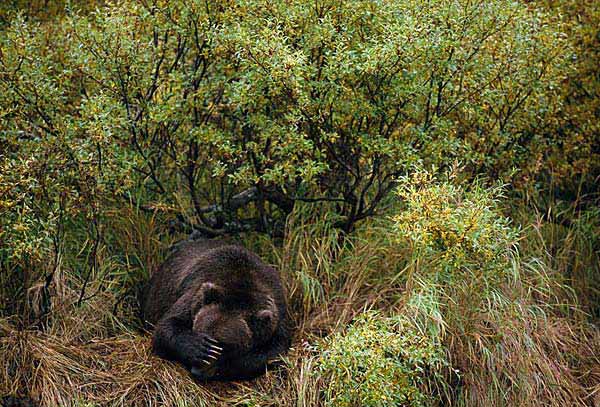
{"x": 42, "y": 9}
{"x": 229, "y": 113}
{"x": 381, "y": 361}
{"x": 572, "y": 156}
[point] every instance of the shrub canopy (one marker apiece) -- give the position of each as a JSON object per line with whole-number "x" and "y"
{"x": 229, "y": 113}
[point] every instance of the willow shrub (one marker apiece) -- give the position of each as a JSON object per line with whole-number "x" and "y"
{"x": 463, "y": 252}
{"x": 497, "y": 309}
{"x": 574, "y": 137}
{"x": 227, "y": 113}
{"x": 381, "y": 361}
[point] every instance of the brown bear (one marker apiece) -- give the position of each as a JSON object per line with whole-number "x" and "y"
{"x": 218, "y": 309}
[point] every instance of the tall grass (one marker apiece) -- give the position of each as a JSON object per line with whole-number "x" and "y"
{"x": 497, "y": 301}
{"x": 497, "y": 307}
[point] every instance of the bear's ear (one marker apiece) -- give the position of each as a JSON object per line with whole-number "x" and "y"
{"x": 210, "y": 293}
{"x": 267, "y": 316}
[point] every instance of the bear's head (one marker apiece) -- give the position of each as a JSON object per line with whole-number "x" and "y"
{"x": 235, "y": 318}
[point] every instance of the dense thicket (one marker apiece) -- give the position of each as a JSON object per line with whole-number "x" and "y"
{"x": 212, "y": 108}
{"x": 356, "y": 144}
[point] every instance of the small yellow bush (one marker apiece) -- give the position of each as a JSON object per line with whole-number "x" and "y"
{"x": 381, "y": 361}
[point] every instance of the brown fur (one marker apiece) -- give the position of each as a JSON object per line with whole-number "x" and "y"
{"x": 218, "y": 309}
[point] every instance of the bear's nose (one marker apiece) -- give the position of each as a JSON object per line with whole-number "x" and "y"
{"x": 234, "y": 335}
{"x": 229, "y": 329}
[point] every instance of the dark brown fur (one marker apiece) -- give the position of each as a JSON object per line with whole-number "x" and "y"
{"x": 218, "y": 309}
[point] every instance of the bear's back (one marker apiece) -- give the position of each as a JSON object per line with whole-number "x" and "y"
{"x": 192, "y": 263}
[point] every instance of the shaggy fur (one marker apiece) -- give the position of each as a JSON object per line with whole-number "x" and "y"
{"x": 217, "y": 309}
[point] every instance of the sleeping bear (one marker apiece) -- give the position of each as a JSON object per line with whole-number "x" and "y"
{"x": 217, "y": 309}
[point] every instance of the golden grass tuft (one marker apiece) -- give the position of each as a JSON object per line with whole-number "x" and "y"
{"x": 68, "y": 366}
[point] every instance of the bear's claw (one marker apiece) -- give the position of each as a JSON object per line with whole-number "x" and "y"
{"x": 211, "y": 340}
{"x": 211, "y": 352}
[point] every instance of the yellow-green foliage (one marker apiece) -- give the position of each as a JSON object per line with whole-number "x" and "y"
{"x": 460, "y": 229}
{"x": 42, "y": 9}
{"x": 498, "y": 313}
{"x": 458, "y": 240}
{"x": 574, "y": 132}
{"x": 380, "y": 361}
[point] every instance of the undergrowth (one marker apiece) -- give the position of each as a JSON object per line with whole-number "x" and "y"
{"x": 471, "y": 311}
{"x": 381, "y": 361}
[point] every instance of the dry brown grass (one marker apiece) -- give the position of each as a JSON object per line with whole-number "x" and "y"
{"x": 531, "y": 361}
{"x": 89, "y": 355}
{"x": 85, "y": 356}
